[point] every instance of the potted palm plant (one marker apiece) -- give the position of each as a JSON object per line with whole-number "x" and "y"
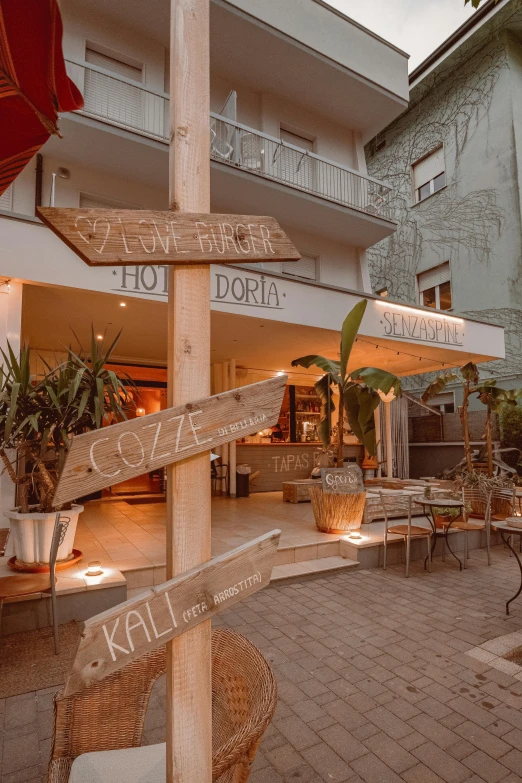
{"x": 39, "y": 416}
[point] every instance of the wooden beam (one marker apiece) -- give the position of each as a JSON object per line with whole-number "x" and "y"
{"x": 123, "y": 451}
{"x": 189, "y": 657}
{"x": 113, "y": 639}
{"x": 126, "y": 237}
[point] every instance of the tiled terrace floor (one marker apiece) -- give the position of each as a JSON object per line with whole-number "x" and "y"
{"x": 374, "y": 681}
{"x": 134, "y": 536}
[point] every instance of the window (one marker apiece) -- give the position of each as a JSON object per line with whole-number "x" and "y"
{"x": 108, "y": 96}
{"x": 295, "y": 166}
{"x": 435, "y": 287}
{"x": 429, "y": 174}
{"x": 444, "y": 402}
{"x": 6, "y": 200}
{"x": 306, "y": 267}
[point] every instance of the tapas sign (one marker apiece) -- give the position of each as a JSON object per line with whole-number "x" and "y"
{"x": 123, "y": 451}
{"x": 345, "y": 481}
{"x": 126, "y": 237}
{"x": 111, "y": 640}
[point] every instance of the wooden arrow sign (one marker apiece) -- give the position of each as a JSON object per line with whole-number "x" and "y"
{"x": 123, "y": 237}
{"x": 113, "y": 639}
{"x": 122, "y": 451}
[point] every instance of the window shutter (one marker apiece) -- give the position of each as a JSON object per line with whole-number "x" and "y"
{"x": 295, "y": 168}
{"x": 432, "y": 277}
{"x": 114, "y": 65}
{"x": 88, "y": 201}
{"x": 305, "y": 267}
{"x": 428, "y": 168}
{"x": 108, "y": 97}
{"x": 6, "y": 199}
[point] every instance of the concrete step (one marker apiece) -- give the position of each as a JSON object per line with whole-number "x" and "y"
{"x": 312, "y": 568}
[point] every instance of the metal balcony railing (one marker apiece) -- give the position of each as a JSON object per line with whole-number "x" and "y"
{"x": 250, "y": 150}
{"x": 127, "y": 104}
{"x": 120, "y": 101}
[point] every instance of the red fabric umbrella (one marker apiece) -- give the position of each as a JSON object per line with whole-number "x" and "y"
{"x": 34, "y": 86}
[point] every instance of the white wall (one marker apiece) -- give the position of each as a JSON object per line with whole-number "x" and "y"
{"x": 81, "y": 26}
{"x": 97, "y": 183}
{"x": 337, "y": 37}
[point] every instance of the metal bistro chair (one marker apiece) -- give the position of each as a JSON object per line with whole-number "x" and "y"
{"x": 408, "y": 531}
{"x": 219, "y": 473}
{"x": 503, "y": 505}
{"x": 476, "y": 515}
{"x": 27, "y": 584}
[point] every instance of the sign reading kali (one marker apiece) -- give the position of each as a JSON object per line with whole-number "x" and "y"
{"x": 99, "y": 458}
{"x": 109, "y": 237}
{"x": 342, "y": 480}
{"x": 114, "y": 638}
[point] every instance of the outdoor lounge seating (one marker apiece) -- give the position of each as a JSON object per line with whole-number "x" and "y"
{"x": 110, "y": 714}
{"x": 407, "y": 531}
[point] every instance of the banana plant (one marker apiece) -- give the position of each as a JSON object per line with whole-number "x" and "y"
{"x": 40, "y": 416}
{"x": 357, "y": 391}
{"x": 489, "y": 395}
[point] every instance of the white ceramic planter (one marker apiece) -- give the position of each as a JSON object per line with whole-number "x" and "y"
{"x": 32, "y": 534}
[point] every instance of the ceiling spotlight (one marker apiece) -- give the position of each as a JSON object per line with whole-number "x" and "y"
{"x": 281, "y": 372}
{"x": 123, "y": 304}
{"x": 99, "y": 336}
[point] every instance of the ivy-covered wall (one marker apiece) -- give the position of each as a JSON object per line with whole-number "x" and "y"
{"x": 472, "y": 104}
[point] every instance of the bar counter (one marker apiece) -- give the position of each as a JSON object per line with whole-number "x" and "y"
{"x": 278, "y": 462}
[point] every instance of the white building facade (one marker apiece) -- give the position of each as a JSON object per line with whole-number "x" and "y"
{"x": 297, "y": 90}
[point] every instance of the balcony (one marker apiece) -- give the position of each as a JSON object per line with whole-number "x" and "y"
{"x": 128, "y": 105}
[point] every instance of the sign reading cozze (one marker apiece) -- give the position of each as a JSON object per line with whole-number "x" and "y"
{"x": 113, "y": 237}
{"x": 114, "y": 638}
{"x": 122, "y": 451}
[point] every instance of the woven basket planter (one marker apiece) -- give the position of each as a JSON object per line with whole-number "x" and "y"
{"x": 336, "y": 512}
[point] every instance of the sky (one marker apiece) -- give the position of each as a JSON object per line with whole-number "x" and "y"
{"x": 415, "y": 26}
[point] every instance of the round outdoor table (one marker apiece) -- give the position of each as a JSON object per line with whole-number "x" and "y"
{"x": 440, "y": 502}
{"x": 506, "y": 531}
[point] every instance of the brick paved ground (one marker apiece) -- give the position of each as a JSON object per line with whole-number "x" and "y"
{"x": 374, "y": 684}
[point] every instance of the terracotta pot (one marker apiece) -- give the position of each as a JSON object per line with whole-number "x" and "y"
{"x": 442, "y": 520}
{"x": 32, "y": 533}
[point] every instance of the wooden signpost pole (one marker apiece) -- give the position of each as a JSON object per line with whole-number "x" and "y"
{"x": 189, "y": 684}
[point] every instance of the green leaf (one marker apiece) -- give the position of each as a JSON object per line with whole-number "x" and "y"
{"x": 470, "y": 372}
{"x": 360, "y": 403}
{"x": 327, "y": 365}
{"x": 438, "y": 385}
{"x": 377, "y": 379}
{"x": 349, "y": 330}
{"x": 12, "y": 410}
{"x": 323, "y": 388}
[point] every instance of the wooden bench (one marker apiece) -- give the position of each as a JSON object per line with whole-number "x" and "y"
{"x": 297, "y": 491}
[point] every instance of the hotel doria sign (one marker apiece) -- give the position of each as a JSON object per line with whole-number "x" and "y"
{"x": 228, "y": 286}
{"x": 237, "y": 290}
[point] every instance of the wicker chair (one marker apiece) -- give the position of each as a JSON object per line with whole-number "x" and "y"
{"x": 110, "y": 714}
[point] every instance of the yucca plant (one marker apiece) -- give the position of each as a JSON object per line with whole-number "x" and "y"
{"x": 40, "y": 416}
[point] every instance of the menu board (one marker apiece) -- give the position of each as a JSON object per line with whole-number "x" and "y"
{"x": 344, "y": 481}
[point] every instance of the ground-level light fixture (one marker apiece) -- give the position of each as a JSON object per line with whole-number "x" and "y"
{"x": 94, "y": 568}
{"x": 99, "y": 336}
{"x": 123, "y": 304}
